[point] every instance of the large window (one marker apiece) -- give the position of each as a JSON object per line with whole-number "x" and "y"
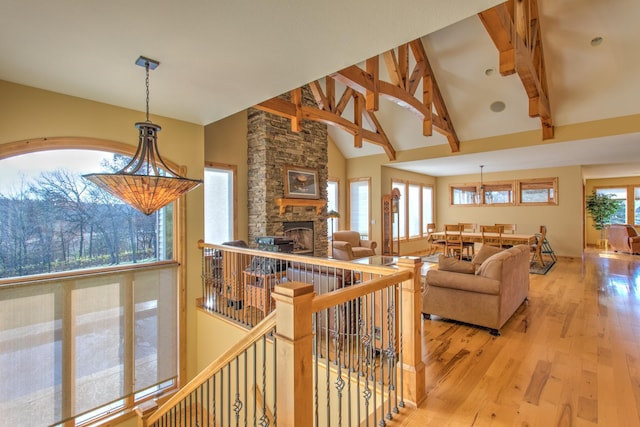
{"x": 359, "y": 206}
{"x": 333, "y": 203}
{"x": 219, "y": 196}
{"x": 415, "y": 208}
{"x": 427, "y": 207}
{"x": 636, "y": 205}
{"x": 79, "y": 347}
{"x": 52, "y": 220}
{"x": 619, "y": 193}
{"x": 96, "y": 330}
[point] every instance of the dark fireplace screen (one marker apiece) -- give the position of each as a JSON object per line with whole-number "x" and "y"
{"x": 301, "y": 232}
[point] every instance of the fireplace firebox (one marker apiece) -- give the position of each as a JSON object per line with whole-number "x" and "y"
{"x": 301, "y": 232}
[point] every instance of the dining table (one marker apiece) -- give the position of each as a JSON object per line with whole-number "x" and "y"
{"x": 507, "y": 238}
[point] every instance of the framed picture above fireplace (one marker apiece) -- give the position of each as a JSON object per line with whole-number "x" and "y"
{"x": 300, "y": 183}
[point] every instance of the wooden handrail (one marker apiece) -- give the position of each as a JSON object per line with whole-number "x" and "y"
{"x": 267, "y": 324}
{"x": 325, "y": 262}
{"x": 339, "y": 296}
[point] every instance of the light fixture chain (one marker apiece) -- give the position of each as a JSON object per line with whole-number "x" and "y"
{"x": 147, "y": 84}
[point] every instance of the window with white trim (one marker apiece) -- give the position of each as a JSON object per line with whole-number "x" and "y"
{"x": 219, "y": 196}
{"x": 415, "y": 208}
{"x": 359, "y": 206}
{"x": 333, "y": 203}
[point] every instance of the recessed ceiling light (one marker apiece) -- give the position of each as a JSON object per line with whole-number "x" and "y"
{"x": 497, "y": 106}
{"x": 596, "y": 41}
{"x": 489, "y": 71}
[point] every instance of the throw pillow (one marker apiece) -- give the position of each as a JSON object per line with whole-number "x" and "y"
{"x": 484, "y": 253}
{"x": 455, "y": 265}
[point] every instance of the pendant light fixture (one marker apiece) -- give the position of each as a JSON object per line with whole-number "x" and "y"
{"x": 146, "y": 183}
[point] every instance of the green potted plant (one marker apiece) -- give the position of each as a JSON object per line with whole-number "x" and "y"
{"x": 601, "y": 208}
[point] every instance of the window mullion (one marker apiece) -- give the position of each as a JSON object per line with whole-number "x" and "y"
{"x": 68, "y": 362}
{"x": 129, "y": 312}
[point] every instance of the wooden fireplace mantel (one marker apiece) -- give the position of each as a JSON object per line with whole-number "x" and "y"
{"x": 282, "y": 203}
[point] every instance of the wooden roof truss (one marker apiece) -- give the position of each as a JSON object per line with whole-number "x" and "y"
{"x": 364, "y": 88}
{"x": 514, "y": 28}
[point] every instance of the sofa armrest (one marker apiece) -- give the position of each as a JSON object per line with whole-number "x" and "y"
{"x": 462, "y": 281}
{"x": 342, "y": 250}
{"x": 341, "y": 244}
{"x": 634, "y": 239}
{"x": 368, "y": 244}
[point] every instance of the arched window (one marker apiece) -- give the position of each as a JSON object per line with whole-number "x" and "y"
{"x": 88, "y": 287}
{"x": 53, "y": 220}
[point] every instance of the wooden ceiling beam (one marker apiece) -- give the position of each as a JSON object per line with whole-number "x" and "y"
{"x": 318, "y": 95}
{"x": 392, "y": 66}
{"x": 433, "y": 95}
{"x": 372, "y": 96}
{"x": 514, "y": 28}
{"x": 288, "y": 109}
{"x": 347, "y": 95}
{"x": 360, "y": 81}
{"x": 296, "y": 99}
{"x": 384, "y": 140}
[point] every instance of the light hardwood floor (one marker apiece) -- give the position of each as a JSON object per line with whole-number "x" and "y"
{"x": 571, "y": 357}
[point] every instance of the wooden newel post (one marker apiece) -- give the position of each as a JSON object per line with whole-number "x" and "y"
{"x": 294, "y": 362}
{"x": 413, "y": 369}
{"x": 144, "y": 410}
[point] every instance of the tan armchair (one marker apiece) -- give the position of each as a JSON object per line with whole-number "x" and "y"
{"x": 347, "y": 245}
{"x": 624, "y": 238}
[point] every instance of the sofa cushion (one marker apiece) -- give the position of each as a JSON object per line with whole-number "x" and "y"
{"x": 457, "y": 266}
{"x": 492, "y": 267}
{"x": 485, "y": 252}
{"x": 462, "y": 282}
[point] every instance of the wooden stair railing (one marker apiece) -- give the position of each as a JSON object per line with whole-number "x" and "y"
{"x": 263, "y": 328}
{"x": 293, "y": 331}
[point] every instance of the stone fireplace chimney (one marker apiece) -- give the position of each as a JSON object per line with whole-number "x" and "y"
{"x": 271, "y": 146}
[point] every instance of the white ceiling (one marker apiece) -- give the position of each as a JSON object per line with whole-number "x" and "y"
{"x": 218, "y": 58}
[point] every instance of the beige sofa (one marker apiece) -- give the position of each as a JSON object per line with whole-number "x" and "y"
{"x": 623, "y": 238}
{"x": 487, "y": 298}
{"x": 347, "y": 245}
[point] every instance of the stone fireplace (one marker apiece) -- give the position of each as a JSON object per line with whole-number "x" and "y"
{"x": 272, "y": 146}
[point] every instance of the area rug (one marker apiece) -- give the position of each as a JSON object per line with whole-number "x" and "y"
{"x": 536, "y": 268}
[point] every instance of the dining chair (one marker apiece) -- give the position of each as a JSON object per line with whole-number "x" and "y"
{"x": 492, "y": 235}
{"x": 468, "y": 226}
{"x": 536, "y": 248}
{"x": 453, "y": 240}
{"x": 470, "y": 247}
{"x": 435, "y": 244}
{"x": 508, "y": 228}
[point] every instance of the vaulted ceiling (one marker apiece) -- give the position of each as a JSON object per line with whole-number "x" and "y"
{"x": 218, "y": 58}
